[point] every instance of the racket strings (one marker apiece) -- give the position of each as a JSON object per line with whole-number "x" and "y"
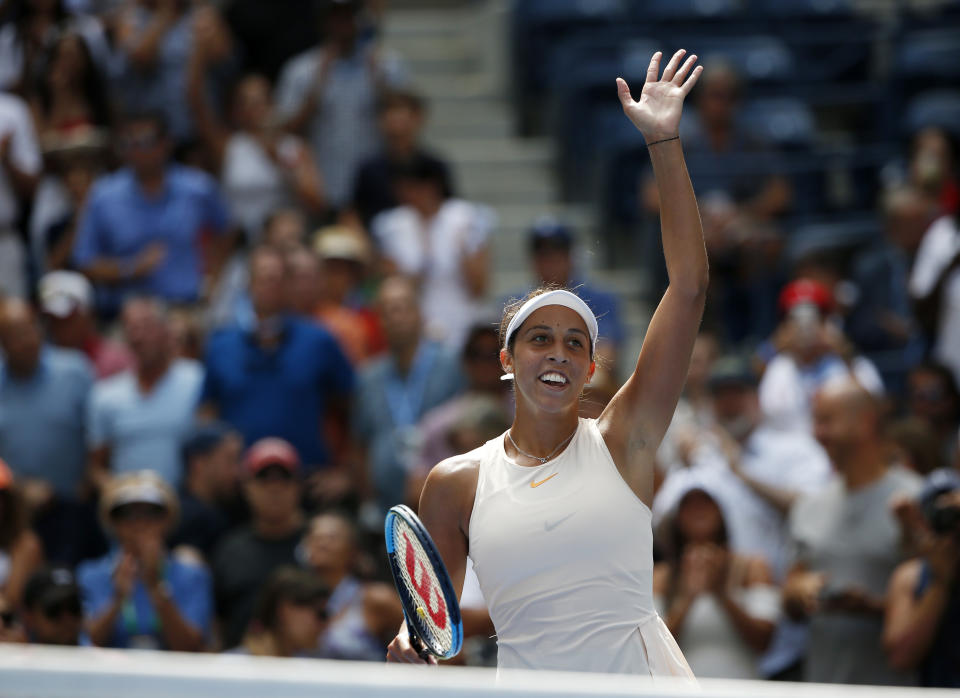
{"x": 437, "y": 636}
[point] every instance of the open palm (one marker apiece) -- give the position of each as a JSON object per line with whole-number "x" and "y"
{"x": 657, "y": 113}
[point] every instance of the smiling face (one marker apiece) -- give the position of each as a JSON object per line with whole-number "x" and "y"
{"x": 550, "y": 359}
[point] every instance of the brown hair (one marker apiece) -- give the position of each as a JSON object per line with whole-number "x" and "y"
{"x": 513, "y": 307}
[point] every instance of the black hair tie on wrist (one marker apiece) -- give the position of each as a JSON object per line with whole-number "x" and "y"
{"x": 672, "y": 138}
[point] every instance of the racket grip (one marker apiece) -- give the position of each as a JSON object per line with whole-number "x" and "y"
{"x": 417, "y": 644}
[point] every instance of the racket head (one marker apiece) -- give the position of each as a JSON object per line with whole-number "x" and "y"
{"x": 426, "y": 591}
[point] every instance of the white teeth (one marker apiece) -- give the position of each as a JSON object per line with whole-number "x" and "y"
{"x": 553, "y": 378}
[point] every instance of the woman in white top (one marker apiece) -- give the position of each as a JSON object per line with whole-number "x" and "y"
{"x": 261, "y": 169}
{"x": 720, "y": 606}
{"x": 555, "y": 513}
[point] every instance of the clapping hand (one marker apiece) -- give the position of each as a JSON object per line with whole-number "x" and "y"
{"x": 657, "y": 113}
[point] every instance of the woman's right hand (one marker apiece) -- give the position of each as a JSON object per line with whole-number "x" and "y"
{"x": 401, "y": 651}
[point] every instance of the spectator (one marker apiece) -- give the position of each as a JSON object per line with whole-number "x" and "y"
{"x": 35, "y": 27}
{"x": 66, "y": 299}
{"x": 155, "y": 39}
{"x": 932, "y": 168}
{"x": 329, "y": 92}
{"x": 741, "y": 198}
{"x": 442, "y": 242}
{"x": 881, "y": 322}
{"x": 395, "y": 391}
{"x": 721, "y": 606}
{"x": 694, "y": 410}
{"x": 43, "y": 394}
{"x": 280, "y": 377}
{"x": 303, "y": 283}
{"x": 935, "y": 287}
{"x": 74, "y": 161}
{"x": 245, "y": 559}
{"x": 138, "y": 419}
{"x": 145, "y": 225}
{"x": 480, "y": 363}
{"x": 914, "y": 445}
{"x": 52, "y": 610}
{"x": 20, "y": 550}
{"x": 20, "y": 166}
{"x": 71, "y": 93}
{"x": 364, "y": 616}
{"x": 290, "y": 616}
{"x": 259, "y": 168}
{"x": 847, "y": 544}
{"x": 551, "y": 251}
{"x": 208, "y": 495}
{"x": 933, "y": 396}
{"x": 139, "y": 596}
{"x": 922, "y": 625}
{"x": 759, "y": 470}
{"x": 401, "y": 116}
{"x": 344, "y": 258}
{"x": 811, "y": 351}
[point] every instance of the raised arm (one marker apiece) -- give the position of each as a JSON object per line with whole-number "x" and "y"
{"x": 634, "y": 422}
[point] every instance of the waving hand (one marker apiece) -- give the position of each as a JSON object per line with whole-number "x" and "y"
{"x": 657, "y": 113}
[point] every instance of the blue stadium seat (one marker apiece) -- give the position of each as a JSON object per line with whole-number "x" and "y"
{"x": 930, "y": 57}
{"x": 786, "y": 122}
{"x": 934, "y": 108}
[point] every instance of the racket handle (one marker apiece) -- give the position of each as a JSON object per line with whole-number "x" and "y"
{"x": 417, "y": 644}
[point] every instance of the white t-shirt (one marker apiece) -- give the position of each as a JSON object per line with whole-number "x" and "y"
{"x": 939, "y": 246}
{"x": 253, "y": 182}
{"x": 434, "y": 251}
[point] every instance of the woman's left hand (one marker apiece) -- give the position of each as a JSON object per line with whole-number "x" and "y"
{"x": 657, "y": 113}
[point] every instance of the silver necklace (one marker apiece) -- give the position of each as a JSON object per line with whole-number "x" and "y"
{"x": 545, "y": 458}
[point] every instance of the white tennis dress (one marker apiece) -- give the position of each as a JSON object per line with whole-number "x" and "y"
{"x": 564, "y": 555}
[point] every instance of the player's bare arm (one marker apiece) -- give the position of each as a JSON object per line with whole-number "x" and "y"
{"x": 634, "y": 422}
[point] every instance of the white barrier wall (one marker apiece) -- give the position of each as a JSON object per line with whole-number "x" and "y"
{"x": 31, "y": 671}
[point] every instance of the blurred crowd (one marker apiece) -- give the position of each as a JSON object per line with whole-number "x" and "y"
{"x": 269, "y": 312}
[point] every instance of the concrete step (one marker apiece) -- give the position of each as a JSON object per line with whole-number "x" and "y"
{"x": 446, "y": 131}
{"x": 442, "y": 84}
{"x": 422, "y": 22}
{"x": 513, "y": 214}
{"x": 495, "y": 184}
{"x": 502, "y": 150}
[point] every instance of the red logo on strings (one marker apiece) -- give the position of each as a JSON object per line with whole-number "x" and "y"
{"x": 424, "y": 588}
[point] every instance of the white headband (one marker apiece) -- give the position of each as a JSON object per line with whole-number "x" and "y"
{"x": 558, "y": 297}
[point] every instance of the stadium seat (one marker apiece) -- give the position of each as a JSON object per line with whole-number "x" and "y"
{"x": 935, "y": 108}
{"x": 786, "y": 122}
{"x": 930, "y": 58}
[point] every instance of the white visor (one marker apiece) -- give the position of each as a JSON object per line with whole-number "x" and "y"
{"x": 558, "y": 297}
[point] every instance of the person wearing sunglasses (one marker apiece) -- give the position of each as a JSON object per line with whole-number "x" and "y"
{"x": 290, "y": 616}
{"x": 52, "y": 609}
{"x": 139, "y": 595}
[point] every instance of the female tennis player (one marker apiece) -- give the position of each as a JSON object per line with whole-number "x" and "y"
{"x": 555, "y": 513}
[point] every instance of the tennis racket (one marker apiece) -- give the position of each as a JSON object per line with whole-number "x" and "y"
{"x": 429, "y": 602}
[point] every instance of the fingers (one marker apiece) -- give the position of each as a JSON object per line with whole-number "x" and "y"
{"x": 692, "y": 80}
{"x": 684, "y": 69}
{"x": 623, "y": 91}
{"x": 671, "y": 68}
{"x": 653, "y": 70}
{"x": 400, "y": 651}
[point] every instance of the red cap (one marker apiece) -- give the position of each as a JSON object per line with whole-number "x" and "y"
{"x": 6, "y": 475}
{"x": 806, "y": 291}
{"x": 271, "y": 451}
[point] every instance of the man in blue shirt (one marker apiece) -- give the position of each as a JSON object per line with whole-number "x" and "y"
{"x": 551, "y": 251}
{"x": 280, "y": 376}
{"x": 139, "y": 596}
{"x": 43, "y": 392}
{"x": 146, "y": 224}
{"x": 395, "y": 391}
{"x": 138, "y": 419}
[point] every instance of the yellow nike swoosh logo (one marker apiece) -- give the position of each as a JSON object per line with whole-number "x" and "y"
{"x": 537, "y": 484}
